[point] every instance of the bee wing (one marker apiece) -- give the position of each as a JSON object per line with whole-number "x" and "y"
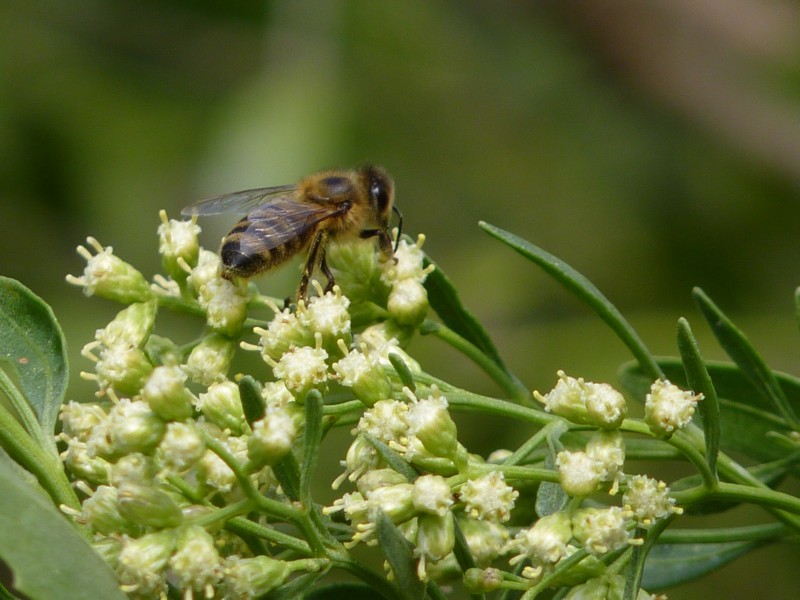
{"x": 284, "y": 220}
{"x": 240, "y": 202}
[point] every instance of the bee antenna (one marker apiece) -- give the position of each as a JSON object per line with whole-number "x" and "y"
{"x": 399, "y": 226}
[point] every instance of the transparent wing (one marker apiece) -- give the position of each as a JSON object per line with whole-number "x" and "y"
{"x": 238, "y": 202}
{"x": 284, "y": 220}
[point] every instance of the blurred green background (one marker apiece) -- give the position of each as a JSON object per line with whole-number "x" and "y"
{"x": 654, "y": 146}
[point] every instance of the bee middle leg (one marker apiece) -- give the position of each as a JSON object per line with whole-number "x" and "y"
{"x": 316, "y": 255}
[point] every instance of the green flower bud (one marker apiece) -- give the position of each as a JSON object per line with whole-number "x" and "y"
{"x": 178, "y": 240}
{"x": 101, "y": 511}
{"x": 408, "y": 303}
{"x": 222, "y": 405}
{"x": 167, "y": 395}
{"x": 131, "y": 327}
{"x": 479, "y": 581}
{"x": 254, "y": 577}
{"x": 435, "y": 539}
{"x": 196, "y": 564}
{"x": 210, "y": 360}
{"x": 395, "y": 501}
{"x": 85, "y": 465}
{"x": 430, "y": 422}
{"x": 272, "y": 437}
{"x": 109, "y": 277}
{"x": 668, "y": 408}
{"x": 181, "y": 447}
{"x": 146, "y": 505}
{"x": 133, "y": 427}
{"x": 143, "y": 562}
{"x": 123, "y": 368}
{"x": 361, "y": 373}
{"x": 225, "y": 306}
{"x": 432, "y": 495}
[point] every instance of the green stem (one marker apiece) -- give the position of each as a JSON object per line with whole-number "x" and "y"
{"x": 743, "y": 493}
{"x": 748, "y": 533}
{"x": 26, "y": 414}
{"x": 46, "y": 467}
{"x": 510, "y": 384}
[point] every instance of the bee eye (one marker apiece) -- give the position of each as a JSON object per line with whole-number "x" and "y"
{"x": 380, "y": 195}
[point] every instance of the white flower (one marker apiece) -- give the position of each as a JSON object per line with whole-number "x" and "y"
{"x": 488, "y": 497}
{"x": 225, "y": 305}
{"x": 668, "y": 408}
{"x": 582, "y": 401}
{"x": 209, "y": 267}
{"x": 181, "y": 447}
{"x": 606, "y": 406}
{"x": 327, "y": 314}
{"x": 209, "y": 361}
{"x": 648, "y": 499}
{"x": 409, "y": 263}
{"x": 429, "y": 421}
{"x": 432, "y": 495}
{"x": 302, "y": 368}
{"x": 178, "y": 240}
{"x": 196, "y": 563}
{"x": 601, "y": 530}
{"x": 109, "y": 277}
{"x": 272, "y": 436}
{"x": 608, "y": 448}
{"x": 386, "y": 421}
{"x": 546, "y": 543}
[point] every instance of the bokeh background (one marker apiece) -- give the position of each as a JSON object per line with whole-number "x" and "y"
{"x": 654, "y": 146}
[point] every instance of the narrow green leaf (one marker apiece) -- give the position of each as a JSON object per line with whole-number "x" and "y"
{"x": 47, "y": 556}
{"x": 399, "y": 554}
{"x": 741, "y": 351}
{"x": 443, "y": 298}
{"x": 673, "y": 564}
{"x": 403, "y": 372}
{"x": 585, "y": 290}
{"x": 700, "y": 382}
{"x": 287, "y": 472}
{"x": 33, "y": 349}
{"x": 252, "y": 402}
{"x": 296, "y": 587}
{"x": 461, "y": 550}
{"x": 747, "y": 419}
{"x": 312, "y": 439}
{"x": 392, "y": 458}
{"x": 797, "y": 305}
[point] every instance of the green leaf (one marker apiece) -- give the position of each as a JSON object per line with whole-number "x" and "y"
{"x": 742, "y": 352}
{"x": 399, "y": 554}
{"x": 673, "y": 564}
{"x": 461, "y": 550}
{"x": 33, "y": 348}
{"x": 443, "y": 298}
{"x": 402, "y": 370}
{"x": 746, "y": 417}
{"x": 585, "y": 290}
{"x": 287, "y": 472}
{"x": 253, "y": 403}
{"x": 551, "y": 497}
{"x": 47, "y": 556}
{"x": 392, "y": 458}
{"x": 699, "y": 381}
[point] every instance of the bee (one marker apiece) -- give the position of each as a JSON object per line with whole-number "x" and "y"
{"x": 283, "y": 220}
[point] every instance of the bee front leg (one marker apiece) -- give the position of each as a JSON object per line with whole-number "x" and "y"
{"x": 384, "y": 242}
{"x": 323, "y": 265}
{"x": 316, "y": 252}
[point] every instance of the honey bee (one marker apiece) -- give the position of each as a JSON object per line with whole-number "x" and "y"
{"x": 283, "y": 220}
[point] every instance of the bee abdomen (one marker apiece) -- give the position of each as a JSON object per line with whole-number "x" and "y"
{"x": 244, "y": 254}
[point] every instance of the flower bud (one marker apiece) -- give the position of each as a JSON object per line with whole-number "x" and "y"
{"x": 109, "y": 277}
{"x": 178, "y": 240}
{"x": 133, "y": 427}
{"x": 101, "y": 511}
{"x": 430, "y": 422}
{"x": 225, "y": 306}
{"x": 605, "y": 406}
{"x": 254, "y": 577}
{"x": 123, "y": 368}
{"x": 167, "y": 395}
{"x": 484, "y": 538}
{"x": 84, "y": 464}
{"x": 131, "y": 327}
{"x": 222, "y": 405}
{"x": 196, "y": 564}
{"x": 668, "y": 408}
{"x": 375, "y": 478}
{"x": 608, "y": 448}
{"x": 143, "y": 563}
{"x": 272, "y": 437}
{"x": 579, "y": 474}
{"x": 394, "y": 501}
{"x": 284, "y": 332}
{"x": 302, "y": 369}
{"x": 148, "y": 506}
{"x": 408, "y": 302}
{"x": 479, "y": 581}
{"x": 546, "y": 543}
{"x": 436, "y": 539}
{"x": 181, "y": 447}
{"x": 210, "y": 360}
{"x": 209, "y": 266}
{"x": 368, "y": 381}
